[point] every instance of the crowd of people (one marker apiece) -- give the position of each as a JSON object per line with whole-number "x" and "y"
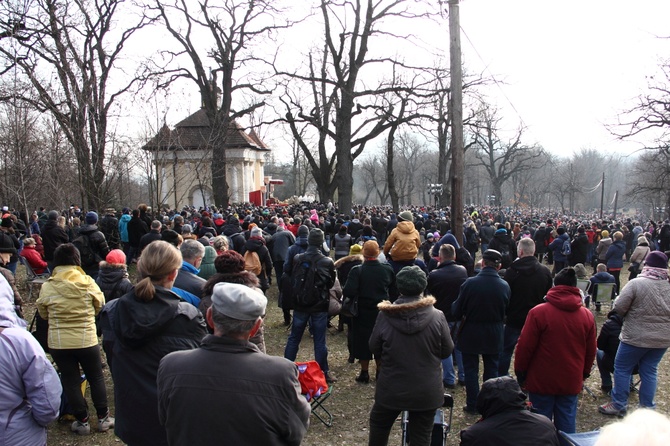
{"x": 190, "y": 330}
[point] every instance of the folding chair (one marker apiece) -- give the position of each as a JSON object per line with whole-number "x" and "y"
{"x": 314, "y": 387}
{"x": 440, "y": 427}
{"x": 583, "y": 284}
{"x": 31, "y": 277}
{"x": 603, "y": 292}
{"x": 580, "y": 438}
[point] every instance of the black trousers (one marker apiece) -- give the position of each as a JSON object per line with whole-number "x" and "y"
{"x": 68, "y": 362}
{"x": 382, "y": 419}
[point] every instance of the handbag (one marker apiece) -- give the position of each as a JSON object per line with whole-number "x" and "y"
{"x": 349, "y": 307}
{"x": 634, "y": 267}
{"x": 334, "y": 305}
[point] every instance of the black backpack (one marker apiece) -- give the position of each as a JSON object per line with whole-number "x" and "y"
{"x": 88, "y": 256}
{"x": 306, "y": 286}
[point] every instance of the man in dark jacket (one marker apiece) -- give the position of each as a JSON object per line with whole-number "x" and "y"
{"x": 579, "y": 247}
{"x": 504, "y": 244}
{"x": 153, "y": 235}
{"x": 540, "y": 238}
{"x": 192, "y": 253}
{"x": 506, "y": 419}
{"x": 486, "y": 234}
{"x": 556, "y": 247}
{"x": 444, "y": 282}
{"x": 225, "y": 375}
{"x": 136, "y": 229}
{"x": 52, "y": 237}
{"x": 96, "y": 242}
{"x": 316, "y": 314}
{"x": 529, "y": 282}
{"x": 481, "y": 307}
{"x": 109, "y": 226}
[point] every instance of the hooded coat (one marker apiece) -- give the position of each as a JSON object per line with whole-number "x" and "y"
{"x": 403, "y": 243}
{"x": 506, "y": 420}
{"x": 557, "y": 345}
{"x": 411, "y": 337}
{"x": 257, "y": 245}
{"x": 113, "y": 281}
{"x": 529, "y": 282}
{"x": 145, "y": 333}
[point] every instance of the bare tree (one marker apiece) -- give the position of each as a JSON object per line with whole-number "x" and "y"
{"x": 236, "y": 30}
{"x": 69, "y": 52}
{"x": 347, "y": 109}
{"x": 501, "y": 158}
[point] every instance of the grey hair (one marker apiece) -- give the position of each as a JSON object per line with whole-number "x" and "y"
{"x": 220, "y": 242}
{"x": 447, "y": 252}
{"x": 527, "y": 245}
{"x": 156, "y": 224}
{"x": 230, "y": 327}
{"x": 191, "y": 249}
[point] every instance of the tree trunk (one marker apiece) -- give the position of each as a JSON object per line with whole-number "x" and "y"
{"x": 390, "y": 174}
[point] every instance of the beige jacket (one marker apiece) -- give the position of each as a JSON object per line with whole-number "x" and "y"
{"x": 403, "y": 243}
{"x": 645, "y": 308}
{"x": 70, "y": 300}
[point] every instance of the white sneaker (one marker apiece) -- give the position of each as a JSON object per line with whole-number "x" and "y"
{"x": 104, "y": 424}
{"x": 80, "y": 428}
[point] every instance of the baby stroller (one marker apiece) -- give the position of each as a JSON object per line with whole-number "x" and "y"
{"x": 441, "y": 427}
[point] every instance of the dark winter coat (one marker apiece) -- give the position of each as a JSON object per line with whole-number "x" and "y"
{"x": 113, "y": 281}
{"x": 109, "y": 226}
{"x": 136, "y": 229}
{"x": 149, "y": 237}
{"x": 579, "y": 248}
{"x": 146, "y": 332}
{"x": 529, "y": 282}
{"x": 372, "y": 282}
{"x": 506, "y": 420}
{"x": 482, "y": 301}
{"x": 259, "y": 393}
{"x": 411, "y": 337}
{"x": 557, "y": 345}
{"x": 608, "y": 339}
{"x": 540, "y": 238}
{"x": 52, "y": 237}
{"x": 504, "y": 244}
{"x": 280, "y": 242}
{"x": 325, "y": 277}
{"x": 444, "y": 284}
{"x": 557, "y": 247}
{"x": 257, "y": 245}
{"x": 98, "y": 244}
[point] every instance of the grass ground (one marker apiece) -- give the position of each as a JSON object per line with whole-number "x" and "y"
{"x": 350, "y": 402}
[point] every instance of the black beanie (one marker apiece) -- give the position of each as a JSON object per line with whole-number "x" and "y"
{"x": 566, "y": 276}
{"x": 315, "y": 237}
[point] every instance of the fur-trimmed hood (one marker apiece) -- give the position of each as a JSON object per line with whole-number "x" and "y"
{"x": 409, "y": 314}
{"x": 352, "y": 258}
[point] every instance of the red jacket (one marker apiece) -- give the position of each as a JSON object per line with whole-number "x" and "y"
{"x": 34, "y": 259}
{"x": 557, "y": 345}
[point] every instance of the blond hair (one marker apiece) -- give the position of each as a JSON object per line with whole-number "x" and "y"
{"x": 159, "y": 259}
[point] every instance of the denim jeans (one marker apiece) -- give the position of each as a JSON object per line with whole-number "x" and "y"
{"x": 511, "y": 337}
{"x": 471, "y": 365}
{"x": 562, "y": 409}
{"x": 383, "y": 419}
{"x": 318, "y": 323}
{"x": 448, "y": 372}
{"x": 627, "y": 357}
{"x": 484, "y": 247}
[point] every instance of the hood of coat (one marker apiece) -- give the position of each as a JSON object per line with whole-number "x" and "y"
{"x": 526, "y": 266}
{"x": 564, "y": 297}
{"x": 409, "y": 314}
{"x": 70, "y": 281}
{"x": 254, "y": 243}
{"x": 500, "y": 395}
{"x": 111, "y": 273}
{"x": 125, "y": 218}
{"x": 406, "y": 227}
{"x": 354, "y": 258}
{"x": 88, "y": 229}
{"x": 137, "y": 322}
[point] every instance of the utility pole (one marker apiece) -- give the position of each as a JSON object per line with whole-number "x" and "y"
{"x": 602, "y": 195}
{"x": 616, "y": 201}
{"x": 457, "y": 155}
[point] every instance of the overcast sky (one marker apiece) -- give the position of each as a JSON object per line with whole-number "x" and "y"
{"x": 567, "y": 67}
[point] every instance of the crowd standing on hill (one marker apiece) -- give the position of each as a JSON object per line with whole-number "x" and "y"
{"x": 408, "y": 284}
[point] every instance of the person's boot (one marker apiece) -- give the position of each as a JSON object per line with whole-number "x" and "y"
{"x": 363, "y": 377}
{"x": 287, "y": 318}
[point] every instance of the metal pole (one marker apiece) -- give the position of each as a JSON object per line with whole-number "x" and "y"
{"x": 602, "y": 195}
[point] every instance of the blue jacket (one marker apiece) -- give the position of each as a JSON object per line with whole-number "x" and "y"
{"x": 557, "y": 247}
{"x": 482, "y": 302}
{"x": 614, "y": 256}
{"x": 123, "y": 227}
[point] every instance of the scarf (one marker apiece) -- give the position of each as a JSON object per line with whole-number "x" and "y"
{"x": 654, "y": 273}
